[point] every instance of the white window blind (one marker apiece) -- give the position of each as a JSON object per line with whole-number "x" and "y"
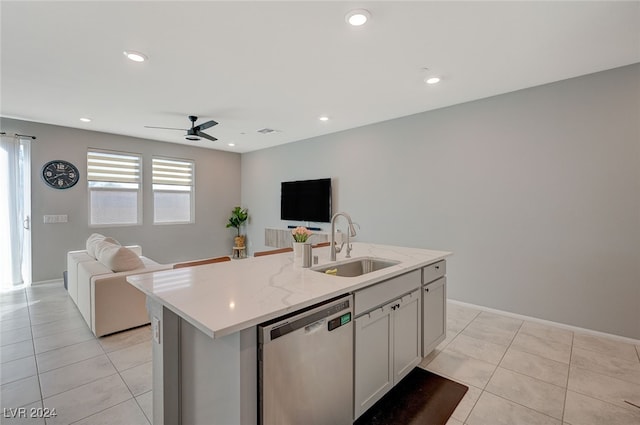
{"x": 114, "y": 180}
{"x": 173, "y": 183}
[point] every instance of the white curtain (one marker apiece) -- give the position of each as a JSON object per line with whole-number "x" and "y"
{"x": 13, "y": 157}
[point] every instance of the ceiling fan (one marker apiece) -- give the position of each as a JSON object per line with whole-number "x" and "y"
{"x": 195, "y": 132}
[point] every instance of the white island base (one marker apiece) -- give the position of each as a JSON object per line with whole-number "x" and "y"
{"x": 200, "y": 380}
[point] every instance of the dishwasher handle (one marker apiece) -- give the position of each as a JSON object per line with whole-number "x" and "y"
{"x": 311, "y": 320}
{"x": 314, "y": 327}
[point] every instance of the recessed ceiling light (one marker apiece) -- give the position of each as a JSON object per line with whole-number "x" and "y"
{"x": 85, "y": 119}
{"x": 324, "y": 118}
{"x": 358, "y": 17}
{"x": 231, "y": 144}
{"x": 135, "y": 56}
{"x": 432, "y": 80}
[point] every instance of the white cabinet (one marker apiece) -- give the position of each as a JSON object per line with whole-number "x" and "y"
{"x": 387, "y": 338}
{"x": 434, "y": 307}
{"x": 406, "y": 335}
{"x": 373, "y": 356}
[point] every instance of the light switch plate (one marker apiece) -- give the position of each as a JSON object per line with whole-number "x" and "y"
{"x": 60, "y": 218}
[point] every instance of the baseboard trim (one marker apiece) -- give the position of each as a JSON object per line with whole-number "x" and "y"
{"x": 45, "y": 282}
{"x": 548, "y": 322}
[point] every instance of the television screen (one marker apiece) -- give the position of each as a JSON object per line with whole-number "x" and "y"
{"x": 306, "y": 200}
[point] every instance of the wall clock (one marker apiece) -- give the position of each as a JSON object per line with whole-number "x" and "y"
{"x": 60, "y": 174}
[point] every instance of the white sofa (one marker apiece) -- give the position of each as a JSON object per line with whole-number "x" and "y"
{"x": 105, "y": 299}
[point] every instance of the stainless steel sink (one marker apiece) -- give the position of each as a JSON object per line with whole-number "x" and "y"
{"x": 356, "y": 266}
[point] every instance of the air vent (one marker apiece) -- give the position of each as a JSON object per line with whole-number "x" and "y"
{"x": 266, "y": 130}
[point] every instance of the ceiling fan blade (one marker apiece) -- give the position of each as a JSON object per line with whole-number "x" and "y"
{"x": 205, "y": 125}
{"x": 166, "y": 128}
{"x": 206, "y": 136}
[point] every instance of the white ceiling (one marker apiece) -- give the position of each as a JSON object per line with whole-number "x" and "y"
{"x": 251, "y": 65}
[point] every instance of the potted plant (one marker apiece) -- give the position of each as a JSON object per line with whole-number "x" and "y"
{"x": 238, "y": 217}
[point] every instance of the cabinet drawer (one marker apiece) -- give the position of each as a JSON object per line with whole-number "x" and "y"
{"x": 383, "y": 292}
{"x": 434, "y": 271}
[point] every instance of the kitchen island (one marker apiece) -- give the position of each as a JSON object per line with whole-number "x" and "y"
{"x": 204, "y": 324}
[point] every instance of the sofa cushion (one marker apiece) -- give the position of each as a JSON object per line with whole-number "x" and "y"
{"x": 117, "y": 258}
{"x": 74, "y": 258}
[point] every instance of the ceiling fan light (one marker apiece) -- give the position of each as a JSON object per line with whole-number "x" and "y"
{"x": 135, "y": 56}
{"x": 432, "y": 80}
{"x": 357, "y": 17}
{"x": 192, "y": 138}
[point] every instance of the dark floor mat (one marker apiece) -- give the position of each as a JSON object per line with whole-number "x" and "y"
{"x": 421, "y": 398}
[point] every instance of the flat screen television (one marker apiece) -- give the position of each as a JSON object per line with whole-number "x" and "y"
{"x": 306, "y": 200}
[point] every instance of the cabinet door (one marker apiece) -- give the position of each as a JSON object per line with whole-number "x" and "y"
{"x": 372, "y": 359}
{"x": 434, "y": 314}
{"x": 406, "y": 335}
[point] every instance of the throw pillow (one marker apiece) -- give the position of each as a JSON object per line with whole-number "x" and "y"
{"x": 113, "y": 241}
{"x": 91, "y": 243}
{"x": 117, "y": 258}
{"x": 94, "y": 239}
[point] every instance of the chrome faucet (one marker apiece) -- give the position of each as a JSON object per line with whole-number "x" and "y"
{"x": 351, "y": 232}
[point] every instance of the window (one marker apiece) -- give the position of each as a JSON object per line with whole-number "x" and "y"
{"x": 115, "y": 188}
{"x": 172, "y": 191}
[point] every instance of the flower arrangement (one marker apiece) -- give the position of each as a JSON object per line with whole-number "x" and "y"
{"x": 301, "y": 234}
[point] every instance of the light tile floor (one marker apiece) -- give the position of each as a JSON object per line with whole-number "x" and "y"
{"x": 517, "y": 372}
{"x": 522, "y": 372}
{"x": 50, "y": 359}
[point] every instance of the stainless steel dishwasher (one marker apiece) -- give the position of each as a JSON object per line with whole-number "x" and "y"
{"x": 306, "y": 366}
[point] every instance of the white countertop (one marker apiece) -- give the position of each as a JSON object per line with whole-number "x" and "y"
{"x": 223, "y": 298}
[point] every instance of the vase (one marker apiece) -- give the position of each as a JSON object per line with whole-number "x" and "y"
{"x": 298, "y": 253}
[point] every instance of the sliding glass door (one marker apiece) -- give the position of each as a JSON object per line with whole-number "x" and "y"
{"x": 15, "y": 213}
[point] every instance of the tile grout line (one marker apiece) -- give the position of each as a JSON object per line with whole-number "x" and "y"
{"x": 100, "y": 411}
{"x": 78, "y": 386}
{"x": 70, "y": 364}
{"x": 18, "y": 358}
{"x": 591, "y": 350}
{"x": 482, "y": 390}
{"x": 140, "y": 407}
{"x": 62, "y": 346}
{"x": 35, "y": 360}
{"x": 566, "y": 391}
{"x": 125, "y": 382}
{"x": 522, "y": 405}
{"x": 505, "y": 353}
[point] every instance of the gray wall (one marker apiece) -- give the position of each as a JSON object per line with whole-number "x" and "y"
{"x": 217, "y": 192}
{"x": 537, "y": 193}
